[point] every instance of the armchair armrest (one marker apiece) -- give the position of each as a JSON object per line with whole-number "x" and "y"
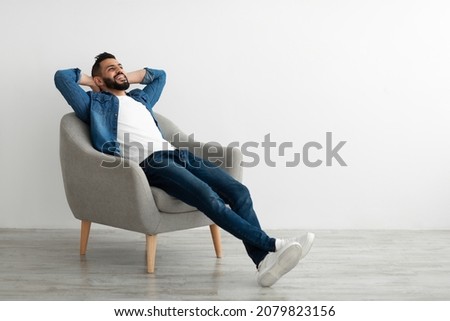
{"x": 227, "y": 157}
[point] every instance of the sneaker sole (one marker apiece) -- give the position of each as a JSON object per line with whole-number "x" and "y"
{"x": 308, "y": 244}
{"x": 287, "y": 260}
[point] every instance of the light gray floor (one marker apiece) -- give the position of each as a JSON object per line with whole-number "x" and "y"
{"x": 342, "y": 265}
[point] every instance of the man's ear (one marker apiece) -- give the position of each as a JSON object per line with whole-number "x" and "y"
{"x": 98, "y": 81}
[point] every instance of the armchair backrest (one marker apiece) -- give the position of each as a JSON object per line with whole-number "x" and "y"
{"x": 96, "y": 194}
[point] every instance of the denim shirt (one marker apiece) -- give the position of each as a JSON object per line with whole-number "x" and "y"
{"x": 100, "y": 110}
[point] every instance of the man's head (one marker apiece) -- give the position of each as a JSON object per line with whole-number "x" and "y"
{"x": 108, "y": 73}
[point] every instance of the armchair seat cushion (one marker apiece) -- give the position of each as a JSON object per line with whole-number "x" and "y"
{"x": 169, "y": 204}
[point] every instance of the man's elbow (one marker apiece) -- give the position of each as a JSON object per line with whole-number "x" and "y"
{"x": 61, "y": 77}
{"x": 58, "y": 77}
{"x": 64, "y": 76}
{"x": 163, "y": 77}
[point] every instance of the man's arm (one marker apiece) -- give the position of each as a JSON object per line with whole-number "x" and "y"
{"x": 88, "y": 81}
{"x": 154, "y": 80}
{"x": 136, "y": 77}
{"x": 68, "y": 83}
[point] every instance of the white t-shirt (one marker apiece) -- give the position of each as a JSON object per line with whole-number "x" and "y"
{"x": 137, "y": 132}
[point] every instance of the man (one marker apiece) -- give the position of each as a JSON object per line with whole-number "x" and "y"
{"x": 119, "y": 119}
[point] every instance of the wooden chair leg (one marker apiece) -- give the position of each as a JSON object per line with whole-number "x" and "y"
{"x": 85, "y": 229}
{"x": 215, "y": 233}
{"x": 151, "y": 253}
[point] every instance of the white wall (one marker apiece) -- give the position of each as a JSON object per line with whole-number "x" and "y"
{"x": 374, "y": 73}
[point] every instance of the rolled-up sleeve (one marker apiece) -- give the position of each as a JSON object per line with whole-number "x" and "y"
{"x": 155, "y": 81}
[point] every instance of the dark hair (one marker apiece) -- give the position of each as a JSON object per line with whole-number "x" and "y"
{"x": 96, "y": 67}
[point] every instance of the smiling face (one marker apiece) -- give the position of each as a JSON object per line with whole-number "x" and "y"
{"x": 112, "y": 76}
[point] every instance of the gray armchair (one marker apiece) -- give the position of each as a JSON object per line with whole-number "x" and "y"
{"x": 112, "y": 191}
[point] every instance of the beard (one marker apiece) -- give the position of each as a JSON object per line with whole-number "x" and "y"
{"x": 113, "y": 84}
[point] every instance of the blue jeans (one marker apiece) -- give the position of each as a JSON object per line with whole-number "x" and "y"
{"x": 207, "y": 187}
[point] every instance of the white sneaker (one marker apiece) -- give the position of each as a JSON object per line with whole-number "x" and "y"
{"x": 306, "y": 241}
{"x": 276, "y": 264}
